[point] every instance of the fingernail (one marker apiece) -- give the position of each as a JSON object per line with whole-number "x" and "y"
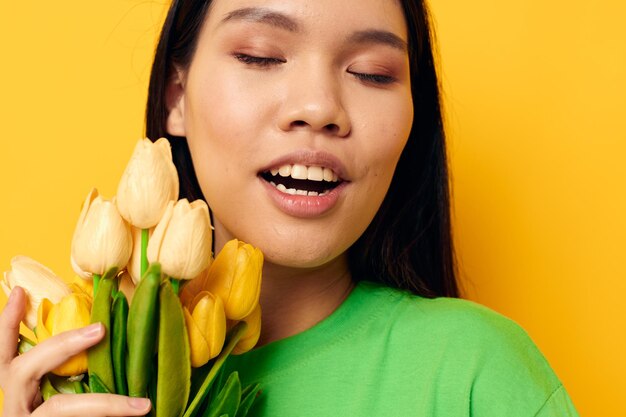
{"x": 139, "y": 403}
{"x": 91, "y": 331}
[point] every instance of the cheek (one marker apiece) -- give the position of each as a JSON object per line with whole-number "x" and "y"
{"x": 386, "y": 139}
{"x": 218, "y": 109}
{"x": 222, "y": 119}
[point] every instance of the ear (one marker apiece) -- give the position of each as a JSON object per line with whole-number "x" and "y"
{"x": 175, "y": 101}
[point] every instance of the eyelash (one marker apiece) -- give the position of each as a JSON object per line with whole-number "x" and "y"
{"x": 257, "y": 60}
{"x": 373, "y": 78}
{"x": 266, "y": 62}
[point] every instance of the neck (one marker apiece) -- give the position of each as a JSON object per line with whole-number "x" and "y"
{"x": 293, "y": 300}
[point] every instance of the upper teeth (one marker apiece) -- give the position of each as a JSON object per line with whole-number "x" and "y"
{"x": 302, "y": 172}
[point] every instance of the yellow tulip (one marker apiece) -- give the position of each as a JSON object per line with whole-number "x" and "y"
{"x": 206, "y": 327}
{"x": 82, "y": 286}
{"x": 38, "y": 281}
{"x": 149, "y": 182}
{"x": 72, "y": 312}
{"x": 252, "y": 334}
{"x": 235, "y": 276}
{"x": 102, "y": 238}
{"x": 181, "y": 242}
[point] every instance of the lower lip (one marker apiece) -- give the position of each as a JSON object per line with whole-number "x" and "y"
{"x": 302, "y": 205}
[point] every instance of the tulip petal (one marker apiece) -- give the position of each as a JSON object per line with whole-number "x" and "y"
{"x": 148, "y": 183}
{"x": 156, "y": 241}
{"x": 182, "y": 240}
{"x": 126, "y": 286}
{"x": 199, "y": 347}
{"x": 38, "y": 282}
{"x": 235, "y": 276}
{"x": 70, "y": 313}
{"x": 252, "y": 334}
{"x": 193, "y": 287}
{"x": 102, "y": 238}
{"x": 42, "y": 331}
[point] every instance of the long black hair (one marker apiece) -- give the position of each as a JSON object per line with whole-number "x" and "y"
{"x": 408, "y": 244}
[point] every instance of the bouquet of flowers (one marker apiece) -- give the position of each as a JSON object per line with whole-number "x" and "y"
{"x": 172, "y": 314}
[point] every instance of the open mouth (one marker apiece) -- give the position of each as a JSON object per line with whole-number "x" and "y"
{"x": 302, "y": 180}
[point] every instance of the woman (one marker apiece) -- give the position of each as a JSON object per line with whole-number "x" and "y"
{"x": 313, "y": 130}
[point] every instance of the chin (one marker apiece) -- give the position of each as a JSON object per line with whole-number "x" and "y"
{"x": 299, "y": 255}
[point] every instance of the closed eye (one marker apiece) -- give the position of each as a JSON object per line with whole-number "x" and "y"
{"x": 373, "y": 78}
{"x": 258, "y": 60}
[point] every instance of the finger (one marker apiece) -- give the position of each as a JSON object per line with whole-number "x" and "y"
{"x": 10, "y": 324}
{"x": 51, "y": 353}
{"x": 93, "y": 405}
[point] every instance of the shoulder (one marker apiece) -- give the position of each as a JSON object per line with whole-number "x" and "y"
{"x": 461, "y": 319}
{"x": 453, "y": 323}
{"x": 483, "y": 353}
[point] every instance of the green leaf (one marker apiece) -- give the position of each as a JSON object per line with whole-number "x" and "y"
{"x": 198, "y": 375}
{"x": 234, "y": 336}
{"x": 227, "y": 401}
{"x": 141, "y": 331}
{"x": 174, "y": 363}
{"x": 99, "y": 356}
{"x": 248, "y": 395}
{"x": 120, "y": 318}
{"x": 220, "y": 380}
{"x": 96, "y": 385}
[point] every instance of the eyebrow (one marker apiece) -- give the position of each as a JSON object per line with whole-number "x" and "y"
{"x": 376, "y": 36}
{"x": 263, "y": 15}
{"x": 281, "y": 20}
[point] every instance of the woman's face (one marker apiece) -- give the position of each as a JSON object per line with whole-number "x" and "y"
{"x": 296, "y": 113}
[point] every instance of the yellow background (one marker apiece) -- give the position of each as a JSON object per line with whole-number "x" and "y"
{"x": 535, "y": 94}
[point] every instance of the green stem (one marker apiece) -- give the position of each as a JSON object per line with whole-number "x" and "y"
{"x": 175, "y": 285}
{"x": 78, "y": 387}
{"x": 145, "y": 234}
{"x": 96, "y": 283}
{"x": 236, "y": 334}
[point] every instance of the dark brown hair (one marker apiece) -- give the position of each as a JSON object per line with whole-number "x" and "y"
{"x": 409, "y": 243}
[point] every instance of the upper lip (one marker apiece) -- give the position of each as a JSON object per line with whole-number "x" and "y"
{"x": 310, "y": 158}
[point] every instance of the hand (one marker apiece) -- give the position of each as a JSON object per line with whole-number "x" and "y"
{"x": 20, "y": 375}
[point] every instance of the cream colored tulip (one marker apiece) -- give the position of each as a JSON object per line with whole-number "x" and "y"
{"x": 252, "y": 334}
{"x": 102, "y": 238}
{"x": 148, "y": 184}
{"x": 206, "y": 327}
{"x": 235, "y": 276}
{"x": 127, "y": 286}
{"x": 81, "y": 274}
{"x": 193, "y": 287}
{"x": 38, "y": 281}
{"x": 71, "y": 312}
{"x": 181, "y": 242}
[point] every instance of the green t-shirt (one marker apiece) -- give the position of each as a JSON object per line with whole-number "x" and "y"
{"x": 385, "y": 352}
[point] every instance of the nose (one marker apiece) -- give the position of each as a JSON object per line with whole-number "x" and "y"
{"x": 313, "y": 102}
